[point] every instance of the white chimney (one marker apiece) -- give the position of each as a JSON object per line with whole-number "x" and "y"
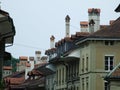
{"x": 32, "y": 62}
{"x": 52, "y": 42}
{"x": 38, "y": 57}
{"x": 94, "y": 14}
{"x": 67, "y": 20}
{"x": 27, "y": 69}
{"x": 84, "y": 26}
{"x": 91, "y": 26}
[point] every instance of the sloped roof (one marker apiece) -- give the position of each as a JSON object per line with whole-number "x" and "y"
{"x": 118, "y": 8}
{"x": 30, "y": 84}
{"x": 16, "y": 81}
{"x": 7, "y": 67}
{"x": 114, "y": 74}
{"x": 23, "y": 58}
{"x": 45, "y": 71}
{"x": 112, "y": 31}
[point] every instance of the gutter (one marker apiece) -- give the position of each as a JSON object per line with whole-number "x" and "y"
{"x": 99, "y": 39}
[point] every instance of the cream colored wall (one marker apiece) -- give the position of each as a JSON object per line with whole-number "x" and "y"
{"x": 61, "y": 77}
{"x": 96, "y": 50}
{"x": 102, "y": 50}
{"x": 115, "y": 85}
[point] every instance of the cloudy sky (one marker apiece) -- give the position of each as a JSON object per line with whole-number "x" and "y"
{"x": 36, "y": 20}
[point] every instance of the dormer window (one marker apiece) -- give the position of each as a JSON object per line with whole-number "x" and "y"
{"x": 109, "y": 43}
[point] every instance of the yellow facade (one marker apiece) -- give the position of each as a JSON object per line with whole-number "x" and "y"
{"x": 92, "y": 63}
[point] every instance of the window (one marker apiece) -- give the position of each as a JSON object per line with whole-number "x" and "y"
{"x": 87, "y": 63}
{"x": 87, "y": 87}
{"x": 83, "y": 64}
{"x": 82, "y": 83}
{"x": 109, "y": 62}
{"x": 109, "y": 43}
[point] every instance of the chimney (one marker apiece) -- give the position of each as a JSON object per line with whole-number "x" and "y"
{"x": 31, "y": 59}
{"x": 52, "y": 43}
{"x": 91, "y": 26}
{"x": 84, "y": 26}
{"x": 38, "y": 56}
{"x": 94, "y": 14}
{"x": 67, "y": 20}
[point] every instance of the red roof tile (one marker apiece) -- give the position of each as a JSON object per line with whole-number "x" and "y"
{"x": 116, "y": 73}
{"x": 15, "y": 81}
{"x": 111, "y": 31}
{"x": 82, "y": 34}
{"x": 95, "y": 10}
{"x": 23, "y": 58}
{"x": 7, "y": 67}
{"x": 84, "y": 23}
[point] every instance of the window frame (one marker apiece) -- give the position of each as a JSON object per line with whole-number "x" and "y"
{"x": 108, "y": 62}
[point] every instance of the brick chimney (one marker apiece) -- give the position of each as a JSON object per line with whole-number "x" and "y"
{"x": 52, "y": 42}
{"x": 84, "y": 26}
{"x": 94, "y": 14}
{"x": 67, "y": 22}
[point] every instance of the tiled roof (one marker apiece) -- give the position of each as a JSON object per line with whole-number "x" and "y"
{"x": 95, "y": 10}
{"x": 82, "y": 34}
{"x": 52, "y": 50}
{"x": 45, "y": 71}
{"x": 84, "y": 23}
{"x": 40, "y": 64}
{"x": 114, "y": 74}
{"x": 103, "y": 26}
{"x": 7, "y": 67}
{"x": 112, "y": 31}
{"x": 23, "y": 58}
{"x": 73, "y": 36}
{"x": 68, "y": 39}
{"x": 35, "y": 72}
{"x": 15, "y": 81}
{"x": 29, "y": 84}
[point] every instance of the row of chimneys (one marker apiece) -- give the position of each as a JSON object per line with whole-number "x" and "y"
{"x": 92, "y": 25}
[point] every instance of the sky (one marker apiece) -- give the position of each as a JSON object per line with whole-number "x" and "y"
{"x": 36, "y": 20}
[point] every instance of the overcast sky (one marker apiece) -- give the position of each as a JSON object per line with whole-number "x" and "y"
{"x": 36, "y": 20}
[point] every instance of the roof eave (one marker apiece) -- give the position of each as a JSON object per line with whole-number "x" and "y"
{"x": 118, "y": 8}
{"x": 99, "y": 39}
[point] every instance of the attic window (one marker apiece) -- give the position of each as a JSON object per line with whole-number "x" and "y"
{"x": 109, "y": 43}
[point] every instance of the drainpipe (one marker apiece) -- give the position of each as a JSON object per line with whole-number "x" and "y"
{"x": 2, "y": 50}
{"x": 66, "y": 65}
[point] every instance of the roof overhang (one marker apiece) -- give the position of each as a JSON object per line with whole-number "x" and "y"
{"x": 69, "y": 58}
{"x": 7, "y": 30}
{"x": 118, "y": 8}
{"x": 7, "y": 56}
{"x": 98, "y": 39}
